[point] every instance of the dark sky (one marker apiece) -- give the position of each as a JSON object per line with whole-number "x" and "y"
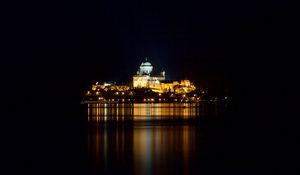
{"x": 218, "y": 44}
{"x": 110, "y": 39}
{"x": 107, "y": 40}
{"x": 61, "y": 42}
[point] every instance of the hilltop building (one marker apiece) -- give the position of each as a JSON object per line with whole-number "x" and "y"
{"x": 143, "y": 79}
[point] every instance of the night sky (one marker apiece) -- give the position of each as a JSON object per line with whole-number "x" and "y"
{"x": 54, "y": 50}
{"x": 108, "y": 40}
{"x": 213, "y": 43}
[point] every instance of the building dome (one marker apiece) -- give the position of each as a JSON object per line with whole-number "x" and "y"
{"x": 146, "y": 68}
{"x": 146, "y": 63}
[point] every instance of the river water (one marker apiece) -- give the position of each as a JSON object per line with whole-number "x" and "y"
{"x": 154, "y": 138}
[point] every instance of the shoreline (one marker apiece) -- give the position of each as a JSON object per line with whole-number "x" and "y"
{"x": 146, "y": 102}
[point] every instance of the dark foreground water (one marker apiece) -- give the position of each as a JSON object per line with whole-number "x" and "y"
{"x": 173, "y": 138}
{"x": 142, "y": 139}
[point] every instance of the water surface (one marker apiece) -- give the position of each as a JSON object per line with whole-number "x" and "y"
{"x": 147, "y": 138}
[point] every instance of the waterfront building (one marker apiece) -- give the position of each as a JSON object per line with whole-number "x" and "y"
{"x": 144, "y": 79}
{"x": 110, "y": 87}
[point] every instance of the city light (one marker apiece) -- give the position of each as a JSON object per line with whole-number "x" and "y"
{"x": 148, "y": 88}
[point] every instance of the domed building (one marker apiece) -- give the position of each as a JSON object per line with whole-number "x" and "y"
{"x": 145, "y": 68}
{"x": 143, "y": 78}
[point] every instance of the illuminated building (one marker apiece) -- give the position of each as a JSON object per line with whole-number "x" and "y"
{"x": 182, "y": 87}
{"x": 143, "y": 79}
{"x": 110, "y": 87}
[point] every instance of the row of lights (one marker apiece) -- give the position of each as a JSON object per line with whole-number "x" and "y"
{"x": 149, "y": 99}
{"x": 117, "y": 93}
{"x": 123, "y": 93}
{"x": 101, "y": 98}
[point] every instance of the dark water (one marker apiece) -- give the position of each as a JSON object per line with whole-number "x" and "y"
{"x": 141, "y": 139}
{"x": 179, "y": 138}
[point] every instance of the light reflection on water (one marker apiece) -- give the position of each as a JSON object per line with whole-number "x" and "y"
{"x": 145, "y": 111}
{"x": 144, "y": 149}
{"x": 145, "y": 140}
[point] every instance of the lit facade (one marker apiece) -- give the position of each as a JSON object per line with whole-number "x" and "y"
{"x": 110, "y": 87}
{"x": 143, "y": 79}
